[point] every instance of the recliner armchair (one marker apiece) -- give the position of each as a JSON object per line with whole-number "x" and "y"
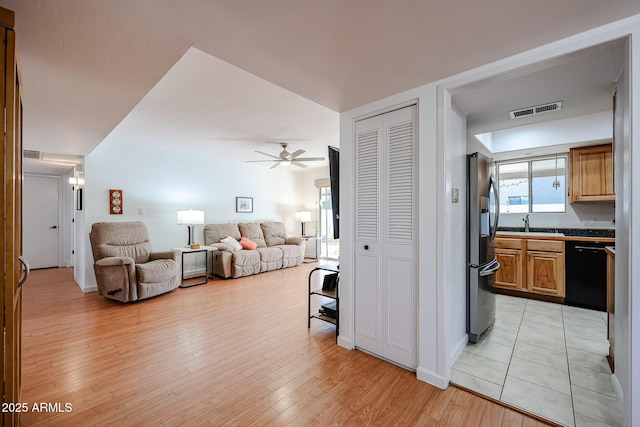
{"x": 125, "y": 265}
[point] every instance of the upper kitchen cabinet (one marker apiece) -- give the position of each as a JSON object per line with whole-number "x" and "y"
{"x": 591, "y": 174}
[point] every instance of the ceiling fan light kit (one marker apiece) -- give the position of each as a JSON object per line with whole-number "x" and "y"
{"x": 287, "y": 158}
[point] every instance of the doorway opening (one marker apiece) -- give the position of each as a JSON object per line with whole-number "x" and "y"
{"x": 329, "y": 247}
{"x": 526, "y": 83}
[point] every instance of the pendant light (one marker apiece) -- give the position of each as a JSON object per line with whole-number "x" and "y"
{"x": 556, "y": 183}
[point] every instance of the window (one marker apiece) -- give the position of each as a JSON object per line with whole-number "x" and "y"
{"x": 533, "y": 186}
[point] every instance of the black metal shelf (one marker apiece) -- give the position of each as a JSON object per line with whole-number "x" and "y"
{"x": 333, "y": 294}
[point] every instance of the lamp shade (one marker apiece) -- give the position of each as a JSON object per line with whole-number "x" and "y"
{"x": 303, "y": 216}
{"x": 190, "y": 217}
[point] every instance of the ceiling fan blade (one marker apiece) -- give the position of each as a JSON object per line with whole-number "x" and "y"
{"x": 267, "y": 154}
{"x": 300, "y": 165}
{"x": 260, "y": 161}
{"x": 309, "y": 159}
{"x": 296, "y": 154}
{"x": 275, "y": 165}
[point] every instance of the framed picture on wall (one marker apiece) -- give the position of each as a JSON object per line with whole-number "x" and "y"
{"x": 244, "y": 204}
{"x": 79, "y": 199}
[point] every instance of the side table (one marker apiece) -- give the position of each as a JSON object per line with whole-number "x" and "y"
{"x": 185, "y": 252}
{"x": 311, "y": 247}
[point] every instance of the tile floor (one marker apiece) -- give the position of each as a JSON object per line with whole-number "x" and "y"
{"x": 548, "y": 359}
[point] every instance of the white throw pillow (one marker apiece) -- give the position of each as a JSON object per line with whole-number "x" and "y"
{"x": 235, "y": 245}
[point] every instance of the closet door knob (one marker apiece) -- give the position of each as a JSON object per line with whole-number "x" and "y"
{"x": 366, "y": 247}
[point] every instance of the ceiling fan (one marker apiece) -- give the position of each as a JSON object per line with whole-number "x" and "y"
{"x": 286, "y": 157}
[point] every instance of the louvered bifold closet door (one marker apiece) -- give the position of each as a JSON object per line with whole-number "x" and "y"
{"x": 385, "y": 286}
{"x": 399, "y": 238}
{"x": 368, "y": 253}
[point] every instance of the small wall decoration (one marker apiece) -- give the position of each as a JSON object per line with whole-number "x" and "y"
{"x": 115, "y": 202}
{"x": 79, "y": 199}
{"x": 244, "y": 204}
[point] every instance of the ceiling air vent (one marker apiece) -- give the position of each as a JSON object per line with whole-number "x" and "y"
{"x": 531, "y": 111}
{"x": 32, "y": 154}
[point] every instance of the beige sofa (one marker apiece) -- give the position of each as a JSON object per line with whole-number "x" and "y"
{"x": 274, "y": 249}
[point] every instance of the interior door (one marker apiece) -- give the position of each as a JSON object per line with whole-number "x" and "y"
{"x": 11, "y": 234}
{"x": 41, "y": 221}
{"x": 385, "y": 246}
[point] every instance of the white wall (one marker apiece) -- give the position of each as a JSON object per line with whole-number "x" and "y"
{"x": 455, "y": 238}
{"x": 577, "y": 215}
{"x": 156, "y": 184}
{"x": 623, "y": 320}
{"x": 574, "y": 130}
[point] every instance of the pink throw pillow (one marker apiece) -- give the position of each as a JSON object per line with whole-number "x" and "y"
{"x": 248, "y": 244}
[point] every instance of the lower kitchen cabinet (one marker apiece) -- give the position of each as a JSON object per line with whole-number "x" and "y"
{"x": 531, "y": 266}
{"x": 509, "y": 276}
{"x": 545, "y": 273}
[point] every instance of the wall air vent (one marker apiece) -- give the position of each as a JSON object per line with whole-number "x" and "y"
{"x": 532, "y": 111}
{"x": 32, "y": 154}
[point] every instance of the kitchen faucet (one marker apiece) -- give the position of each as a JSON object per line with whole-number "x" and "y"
{"x": 526, "y": 223}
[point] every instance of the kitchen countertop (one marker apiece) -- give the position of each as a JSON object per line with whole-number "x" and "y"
{"x": 553, "y": 236}
{"x": 573, "y": 234}
{"x": 530, "y": 233}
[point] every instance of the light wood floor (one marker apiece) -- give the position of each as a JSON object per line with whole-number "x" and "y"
{"x": 232, "y": 352}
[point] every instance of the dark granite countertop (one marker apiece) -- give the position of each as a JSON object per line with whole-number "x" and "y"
{"x": 569, "y": 232}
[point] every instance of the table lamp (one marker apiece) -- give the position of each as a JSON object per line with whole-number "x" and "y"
{"x": 303, "y": 216}
{"x": 190, "y": 218}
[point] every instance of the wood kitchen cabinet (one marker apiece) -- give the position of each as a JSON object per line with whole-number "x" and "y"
{"x": 509, "y": 254}
{"x": 545, "y": 267}
{"x": 591, "y": 174}
{"x": 531, "y": 266}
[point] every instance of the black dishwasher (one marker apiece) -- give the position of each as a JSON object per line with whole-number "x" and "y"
{"x": 586, "y": 274}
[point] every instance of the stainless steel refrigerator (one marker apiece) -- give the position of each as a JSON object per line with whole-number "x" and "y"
{"x": 482, "y": 222}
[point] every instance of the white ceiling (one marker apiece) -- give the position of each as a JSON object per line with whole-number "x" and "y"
{"x": 87, "y": 64}
{"x": 222, "y": 116}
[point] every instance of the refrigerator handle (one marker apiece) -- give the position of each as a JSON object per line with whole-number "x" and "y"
{"x": 490, "y": 268}
{"x": 497, "y": 215}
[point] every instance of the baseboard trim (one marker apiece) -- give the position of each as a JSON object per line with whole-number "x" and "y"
{"x": 93, "y": 288}
{"x": 432, "y": 378}
{"x": 196, "y": 272}
{"x": 345, "y": 343}
{"x": 458, "y": 349}
{"x": 90, "y": 289}
{"x": 617, "y": 389}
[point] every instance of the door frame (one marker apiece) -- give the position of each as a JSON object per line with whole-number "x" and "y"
{"x": 61, "y": 222}
{"x": 383, "y": 249}
{"x": 66, "y": 209}
{"x": 515, "y": 65}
